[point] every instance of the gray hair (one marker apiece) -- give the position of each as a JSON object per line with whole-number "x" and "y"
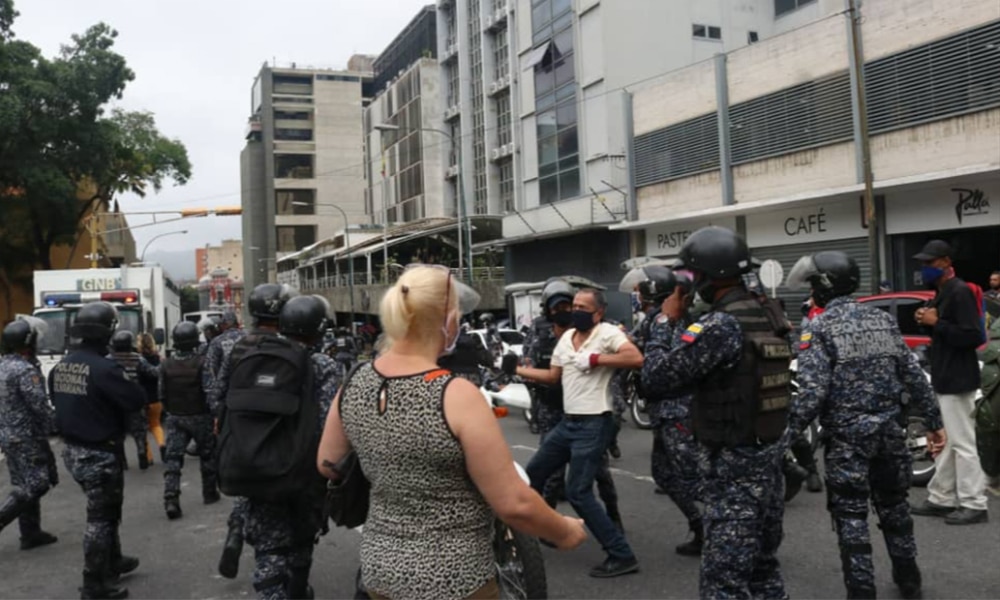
{"x": 599, "y": 299}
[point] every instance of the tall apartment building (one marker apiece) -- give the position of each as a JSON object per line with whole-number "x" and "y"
{"x": 304, "y": 151}
{"x": 228, "y": 255}
{"x": 538, "y": 93}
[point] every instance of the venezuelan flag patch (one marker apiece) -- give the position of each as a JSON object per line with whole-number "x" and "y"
{"x": 691, "y": 334}
{"x": 805, "y": 341}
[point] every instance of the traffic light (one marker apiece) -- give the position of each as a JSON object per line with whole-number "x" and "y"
{"x": 224, "y": 211}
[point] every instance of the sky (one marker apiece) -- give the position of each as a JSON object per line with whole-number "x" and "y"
{"x": 195, "y": 61}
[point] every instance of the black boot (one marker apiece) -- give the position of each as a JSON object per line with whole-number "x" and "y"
{"x": 813, "y": 483}
{"x": 860, "y": 593}
{"x": 298, "y": 584}
{"x": 96, "y": 576}
{"x": 693, "y": 546}
{"x": 30, "y": 522}
{"x": 163, "y": 454}
{"x": 143, "y": 461}
{"x": 12, "y": 508}
{"x": 173, "y": 508}
{"x": 906, "y": 575}
{"x": 209, "y": 489}
{"x": 121, "y": 564}
{"x": 229, "y": 564}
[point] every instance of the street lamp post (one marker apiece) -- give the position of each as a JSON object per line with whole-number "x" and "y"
{"x": 350, "y": 254}
{"x": 142, "y": 257}
{"x": 460, "y": 201}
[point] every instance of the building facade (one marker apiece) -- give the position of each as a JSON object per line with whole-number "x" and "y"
{"x": 304, "y": 151}
{"x": 769, "y": 140}
{"x": 228, "y": 256}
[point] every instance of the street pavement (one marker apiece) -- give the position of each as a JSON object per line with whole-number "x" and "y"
{"x": 179, "y": 558}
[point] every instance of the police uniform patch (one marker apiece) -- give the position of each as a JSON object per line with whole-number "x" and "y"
{"x": 691, "y": 333}
{"x": 805, "y": 341}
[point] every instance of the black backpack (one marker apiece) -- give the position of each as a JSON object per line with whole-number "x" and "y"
{"x": 267, "y": 440}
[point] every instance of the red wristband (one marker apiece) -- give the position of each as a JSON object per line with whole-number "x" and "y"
{"x": 593, "y": 360}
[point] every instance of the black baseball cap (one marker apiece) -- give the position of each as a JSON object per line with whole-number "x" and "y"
{"x": 934, "y": 249}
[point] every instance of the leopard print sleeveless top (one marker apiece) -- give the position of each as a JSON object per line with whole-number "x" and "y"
{"x": 429, "y": 531}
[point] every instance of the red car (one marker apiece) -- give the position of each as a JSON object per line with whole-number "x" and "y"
{"x": 903, "y": 306}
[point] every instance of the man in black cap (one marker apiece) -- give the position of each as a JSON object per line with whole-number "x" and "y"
{"x": 958, "y": 490}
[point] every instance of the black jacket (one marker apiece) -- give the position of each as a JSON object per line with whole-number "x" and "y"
{"x": 954, "y": 339}
{"x": 92, "y": 397}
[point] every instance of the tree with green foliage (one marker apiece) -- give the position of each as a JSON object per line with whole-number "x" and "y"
{"x": 57, "y": 140}
{"x": 190, "y": 302}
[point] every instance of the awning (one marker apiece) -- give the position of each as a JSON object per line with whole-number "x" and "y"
{"x": 536, "y": 56}
{"x": 531, "y": 237}
{"x": 374, "y": 245}
{"x": 744, "y": 208}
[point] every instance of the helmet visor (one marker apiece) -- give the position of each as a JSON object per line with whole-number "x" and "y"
{"x": 802, "y": 273}
{"x": 468, "y": 298}
{"x": 631, "y": 280}
{"x": 38, "y": 326}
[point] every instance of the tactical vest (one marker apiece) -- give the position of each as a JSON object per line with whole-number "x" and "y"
{"x": 747, "y": 405}
{"x": 544, "y": 343}
{"x": 130, "y": 363}
{"x": 184, "y": 394}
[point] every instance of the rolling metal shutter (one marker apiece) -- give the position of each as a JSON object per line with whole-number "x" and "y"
{"x": 788, "y": 255}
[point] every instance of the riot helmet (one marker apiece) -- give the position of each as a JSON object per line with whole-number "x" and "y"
{"x": 660, "y": 283}
{"x": 303, "y": 316}
{"x": 185, "y": 336}
{"x": 22, "y": 334}
{"x": 266, "y": 300}
{"x": 830, "y": 274}
{"x": 556, "y": 292}
{"x": 123, "y": 341}
{"x": 95, "y": 323}
{"x": 209, "y": 326}
{"x": 717, "y": 252}
{"x": 486, "y": 319}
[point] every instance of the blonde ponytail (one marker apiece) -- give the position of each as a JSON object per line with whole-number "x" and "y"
{"x": 415, "y": 305}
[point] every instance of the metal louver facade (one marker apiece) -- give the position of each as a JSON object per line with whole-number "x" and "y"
{"x": 945, "y": 78}
{"x": 678, "y": 150}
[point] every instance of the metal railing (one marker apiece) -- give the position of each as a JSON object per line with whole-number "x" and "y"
{"x": 306, "y": 284}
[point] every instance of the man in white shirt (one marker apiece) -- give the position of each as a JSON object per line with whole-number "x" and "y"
{"x": 584, "y": 361}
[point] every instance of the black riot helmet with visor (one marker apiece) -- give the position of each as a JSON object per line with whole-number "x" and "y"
{"x": 830, "y": 274}
{"x": 714, "y": 254}
{"x": 22, "y": 334}
{"x": 557, "y": 292}
{"x": 185, "y": 336}
{"x": 95, "y": 323}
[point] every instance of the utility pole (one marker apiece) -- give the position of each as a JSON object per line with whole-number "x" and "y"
{"x": 862, "y": 139}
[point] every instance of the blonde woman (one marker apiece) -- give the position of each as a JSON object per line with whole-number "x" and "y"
{"x": 439, "y": 466}
{"x": 154, "y": 411}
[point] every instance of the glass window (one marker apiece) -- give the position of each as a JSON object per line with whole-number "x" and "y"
{"x": 698, "y": 31}
{"x": 568, "y": 142}
{"x": 548, "y": 151}
{"x": 564, "y": 71}
{"x": 563, "y": 42}
{"x": 293, "y": 135}
{"x": 544, "y": 81}
{"x": 786, "y": 6}
{"x": 293, "y": 166}
{"x": 715, "y": 33}
{"x": 548, "y": 190}
{"x": 906, "y": 313}
{"x": 541, "y": 14}
{"x": 569, "y": 184}
{"x": 566, "y": 115}
{"x": 294, "y": 202}
{"x": 292, "y": 238}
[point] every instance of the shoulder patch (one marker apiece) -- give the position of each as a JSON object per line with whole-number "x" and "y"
{"x": 691, "y": 333}
{"x": 805, "y": 341}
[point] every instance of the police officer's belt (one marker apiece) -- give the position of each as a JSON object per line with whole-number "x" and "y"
{"x": 106, "y": 446}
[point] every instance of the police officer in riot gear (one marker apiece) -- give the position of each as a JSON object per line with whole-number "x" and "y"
{"x": 265, "y": 304}
{"x": 139, "y": 370}
{"x": 26, "y": 421}
{"x": 188, "y": 417}
{"x": 854, "y": 368}
{"x": 737, "y": 365}
{"x": 675, "y": 453}
{"x": 557, "y": 302}
{"x": 93, "y": 398}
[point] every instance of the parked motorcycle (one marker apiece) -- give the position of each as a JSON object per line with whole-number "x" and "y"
{"x": 635, "y": 401}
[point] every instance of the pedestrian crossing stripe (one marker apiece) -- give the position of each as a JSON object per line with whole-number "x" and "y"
{"x": 805, "y": 341}
{"x": 691, "y": 333}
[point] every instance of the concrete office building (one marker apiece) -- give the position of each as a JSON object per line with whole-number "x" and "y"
{"x": 768, "y": 141}
{"x": 228, "y": 255}
{"x": 304, "y": 148}
{"x": 537, "y": 91}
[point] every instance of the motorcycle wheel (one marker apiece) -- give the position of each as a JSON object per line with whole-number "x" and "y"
{"x": 520, "y": 565}
{"x": 640, "y": 416}
{"x": 923, "y": 463}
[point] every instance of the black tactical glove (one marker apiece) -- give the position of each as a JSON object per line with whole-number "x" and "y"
{"x": 509, "y": 364}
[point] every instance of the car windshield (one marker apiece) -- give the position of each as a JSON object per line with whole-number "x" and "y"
{"x": 54, "y": 340}
{"x": 512, "y": 337}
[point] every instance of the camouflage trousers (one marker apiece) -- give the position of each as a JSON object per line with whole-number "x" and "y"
{"x": 138, "y": 428}
{"x": 283, "y": 535}
{"x": 99, "y": 474}
{"x": 554, "y": 489}
{"x": 860, "y": 467}
{"x": 33, "y": 472}
{"x": 674, "y": 464}
{"x": 180, "y": 431}
{"x": 742, "y": 490}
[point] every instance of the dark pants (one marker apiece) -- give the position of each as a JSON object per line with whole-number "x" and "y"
{"x": 33, "y": 472}
{"x": 862, "y": 467}
{"x": 99, "y": 474}
{"x": 180, "y": 431}
{"x": 581, "y": 442}
{"x": 674, "y": 463}
{"x": 803, "y": 452}
{"x": 283, "y": 535}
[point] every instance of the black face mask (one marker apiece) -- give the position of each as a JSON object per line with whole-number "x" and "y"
{"x": 583, "y": 321}
{"x": 562, "y": 318}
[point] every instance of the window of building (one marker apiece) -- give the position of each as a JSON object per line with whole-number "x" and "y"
{"x": 752, "y": 37}
{"x": 455, "y": 129}
{"x": 555, "y": 103}
{"x": 349, "y": 78}
{"x": 507, "y": 186}
{"x": 292, "y": 238}
{"x": 293, "y": 135}
{"x": 500, "y": 58}
{"x": 706, "y": 32}
{"x": 503, "y": 119}
{"x": 453, "y": 85}
{"x": 292, "y": 100}
{"x": 293, "y": 166}
{"x": 786, "y": 6}
{"x": 480, "y": 190}
{"x": 293, "y": 84}
{"x": 294, "y": 202}
{"x": 292, "y": 115}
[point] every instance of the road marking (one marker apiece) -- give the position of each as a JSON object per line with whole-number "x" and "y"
{"x": 613, "y": 470}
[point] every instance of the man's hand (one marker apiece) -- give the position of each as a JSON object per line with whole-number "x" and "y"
{"x": 586, "y": 361}
{"x": 927, "y": 316}
{"x": 936, "y": 441}
{"x": 508, "y": 364}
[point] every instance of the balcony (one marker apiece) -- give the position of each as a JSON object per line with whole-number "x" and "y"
{"x": 450, "y": 52}
{"x": 496, "y": 20}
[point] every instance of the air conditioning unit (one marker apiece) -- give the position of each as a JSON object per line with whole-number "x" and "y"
{"x": 451, "y": 112}
{"x": 501, "y": 14}
{"x": 452, "y": 49}
{"x": 452, "y": 171}
{"x": 496, "y": 153}
{"x": 494, "y": 87}
{"x": 506, "y": 80}
{"x": 489, "y": 21}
